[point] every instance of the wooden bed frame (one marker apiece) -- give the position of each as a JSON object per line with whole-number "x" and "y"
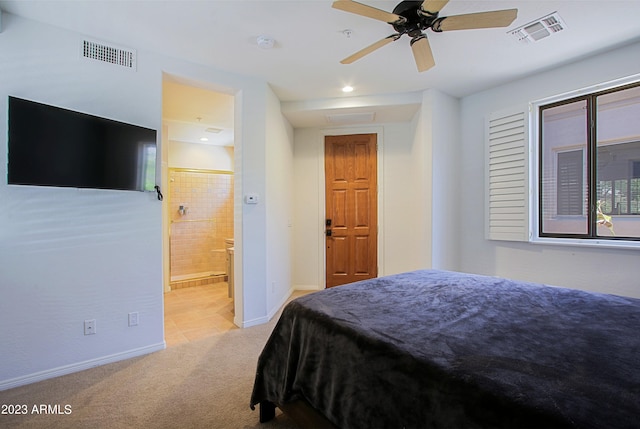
{"x": 299, "y": 411}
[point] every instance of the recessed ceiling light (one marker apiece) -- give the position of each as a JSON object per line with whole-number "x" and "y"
{"x": 204, "y": 139}
{"x": 347, "y": 88}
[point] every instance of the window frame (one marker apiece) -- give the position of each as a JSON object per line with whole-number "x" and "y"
{"x": 535, "y": 169}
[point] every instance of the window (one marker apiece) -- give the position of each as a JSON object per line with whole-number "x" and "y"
{"x": 589, "y": 166}
{"x": 570, "y": 183}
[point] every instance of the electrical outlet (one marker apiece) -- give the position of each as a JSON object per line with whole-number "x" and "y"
{"x": 90, "y": 327}
{"x": 133, "y": 319}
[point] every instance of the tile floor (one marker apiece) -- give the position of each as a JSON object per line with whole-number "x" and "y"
{"x": 200, "y": 311}
{"x": 197, "y": 312}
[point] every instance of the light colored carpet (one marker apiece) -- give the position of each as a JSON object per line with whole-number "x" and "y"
{"x": 201, "y": 384}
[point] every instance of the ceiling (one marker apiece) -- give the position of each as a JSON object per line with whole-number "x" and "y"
{"x": 303, "y": 67}
{"x": 193, "y": 114}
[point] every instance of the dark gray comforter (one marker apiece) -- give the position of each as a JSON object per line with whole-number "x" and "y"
{"x": 436, "y": 349}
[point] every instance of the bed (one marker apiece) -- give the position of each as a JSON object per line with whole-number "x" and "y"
{"x": 439, "y": 349}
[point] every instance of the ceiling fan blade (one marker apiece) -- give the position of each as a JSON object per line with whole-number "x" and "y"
{"x": 498, "y": 18}
{"x": 422, "y": 53}
{"x": 364, "y": 10}
{"x": 434, "y": 6}
{"x": 366, "y": 51}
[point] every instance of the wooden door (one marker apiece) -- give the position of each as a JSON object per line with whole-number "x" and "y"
{"x": 351, "y": 208}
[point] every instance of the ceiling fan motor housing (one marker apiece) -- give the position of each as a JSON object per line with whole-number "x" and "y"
{"x": 415, "y": 21}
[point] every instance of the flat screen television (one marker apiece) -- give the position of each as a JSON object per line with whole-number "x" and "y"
{"x": 51, "y": 146}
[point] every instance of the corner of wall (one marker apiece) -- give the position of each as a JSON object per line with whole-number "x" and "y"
{"x": 441, "y": 124}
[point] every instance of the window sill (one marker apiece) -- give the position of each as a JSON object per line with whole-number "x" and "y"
{"x": 592, "y": 243}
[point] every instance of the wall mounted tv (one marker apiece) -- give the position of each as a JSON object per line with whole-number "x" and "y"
{"x": 51, "y": 146}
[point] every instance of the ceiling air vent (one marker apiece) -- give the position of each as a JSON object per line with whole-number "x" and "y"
{"x": 539, "y": 29}
{"x": 108, "y": 53}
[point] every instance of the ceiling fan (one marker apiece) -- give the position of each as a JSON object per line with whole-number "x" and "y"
{"x": 414, "y": 17}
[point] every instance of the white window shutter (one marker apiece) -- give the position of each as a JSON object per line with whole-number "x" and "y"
{"x": 507, "y": 176}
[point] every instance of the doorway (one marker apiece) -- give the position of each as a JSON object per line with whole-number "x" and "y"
{"x": 201, "y": 216}
{"x": 351, "y": 206}
{"x": 198, "y": 167}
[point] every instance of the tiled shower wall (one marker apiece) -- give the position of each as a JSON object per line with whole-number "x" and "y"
{"x": 197, "y": 237}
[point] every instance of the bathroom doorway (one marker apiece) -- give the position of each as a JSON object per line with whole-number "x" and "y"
{"x": 198, "y": 146}
{"x": 201, "y": 212}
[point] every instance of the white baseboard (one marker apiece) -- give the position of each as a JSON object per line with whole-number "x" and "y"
{"x": 253, "y": 322}
{"x": 80, "y": 366}
{"x": 307, "y": 287}
{"x": 277, "y": 307}
{"x": 274, "y": 310}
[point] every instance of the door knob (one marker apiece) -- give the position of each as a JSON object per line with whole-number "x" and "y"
{"x": 328, "y": 233}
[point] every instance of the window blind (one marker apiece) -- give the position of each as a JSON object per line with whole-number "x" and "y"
{"x": 570, "y": 196}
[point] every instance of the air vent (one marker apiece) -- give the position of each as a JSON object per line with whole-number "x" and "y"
{"x": 108, "y": 53}
{"x": 539, "y": 29}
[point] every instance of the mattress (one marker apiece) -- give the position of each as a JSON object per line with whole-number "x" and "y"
{"x": 434, "y": 348}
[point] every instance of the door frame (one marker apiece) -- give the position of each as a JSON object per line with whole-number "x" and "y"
{"x": 322, "y": 249}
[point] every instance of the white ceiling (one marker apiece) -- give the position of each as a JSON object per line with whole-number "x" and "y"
{"x": 192, "y": 114}
{"x": 304, "y": 67}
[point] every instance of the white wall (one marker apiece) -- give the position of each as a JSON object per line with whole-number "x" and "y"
{"x": 418, "y": 170}
{"x": 279, "y": 202}
{"x": 307, "y": 215}
{"x": 406, "y": 199}
{"x": 250, "y": 236}
{"x": 67, "y": 255}
{"x": 604, "y": 270}
{"x": 444, "y": 114}
{"x": 200, "y": 156}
